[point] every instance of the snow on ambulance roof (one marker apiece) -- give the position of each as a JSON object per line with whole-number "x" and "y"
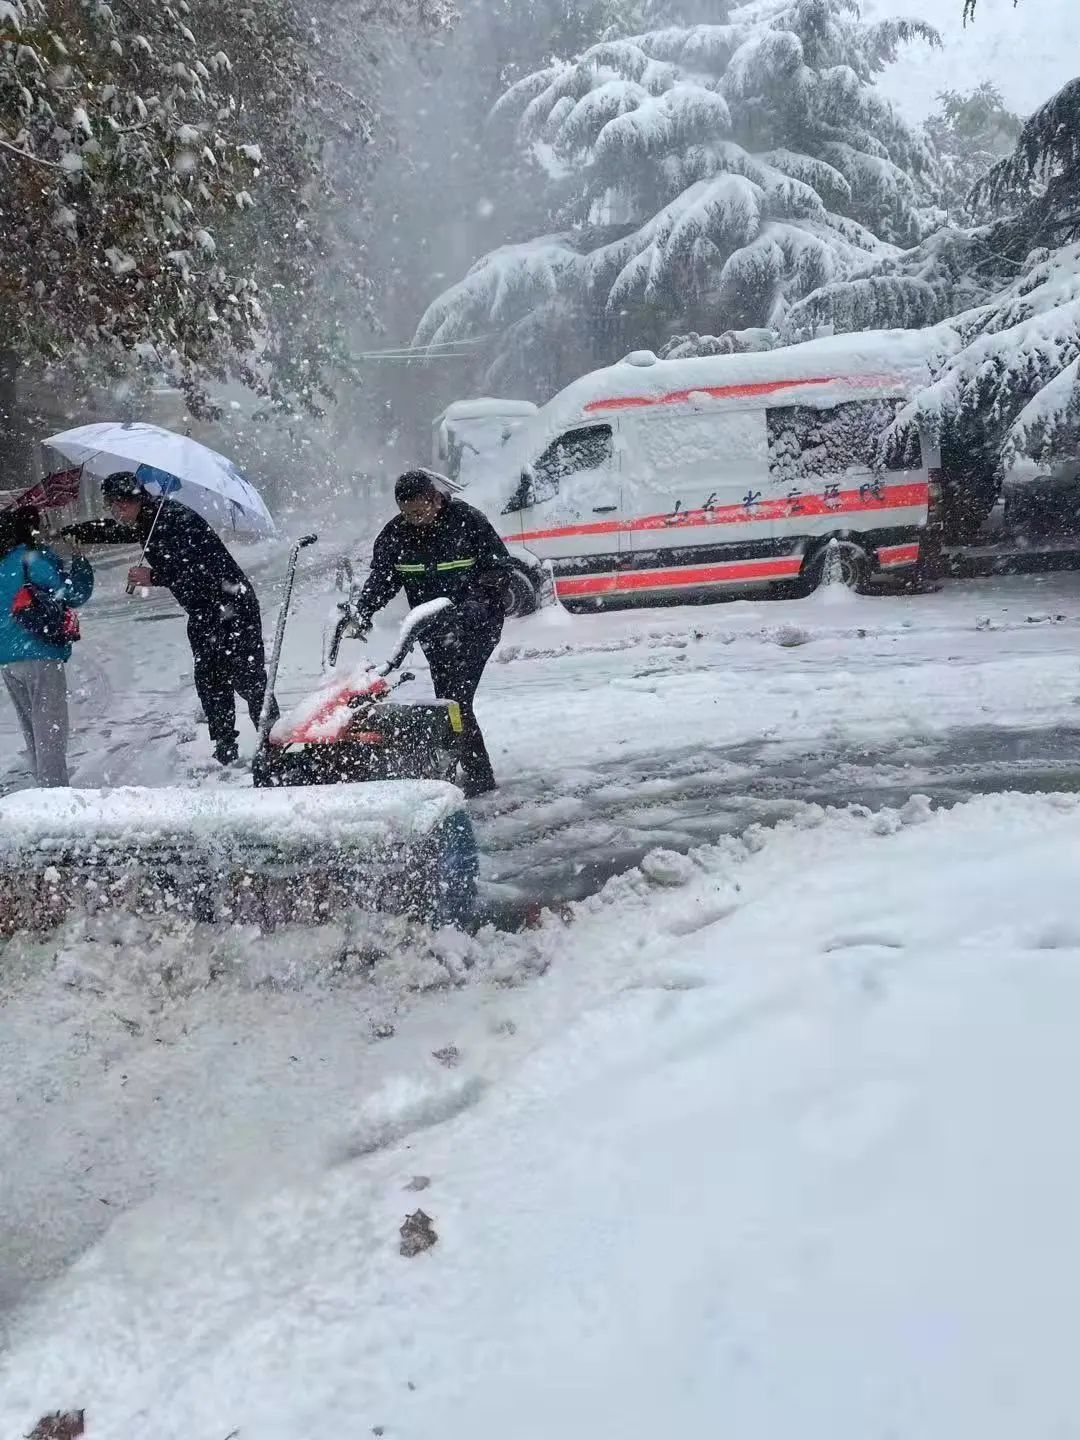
{"x": 873, "y": 364}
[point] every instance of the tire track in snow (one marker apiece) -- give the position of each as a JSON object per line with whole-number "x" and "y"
{"x": 546, "y": 839}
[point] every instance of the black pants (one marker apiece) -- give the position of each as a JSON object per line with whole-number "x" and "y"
{"x": 229, "y": 660}
{"x": 457, "y": 663}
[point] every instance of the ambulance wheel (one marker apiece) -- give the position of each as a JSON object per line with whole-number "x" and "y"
{"x": 523, "y": 596}
{"x": 853, "y": 562}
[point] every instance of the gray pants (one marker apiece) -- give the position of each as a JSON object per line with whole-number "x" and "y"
{"x": 38, "y": 690}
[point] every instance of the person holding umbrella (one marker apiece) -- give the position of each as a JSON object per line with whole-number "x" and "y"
{"x": 182, "y": 553}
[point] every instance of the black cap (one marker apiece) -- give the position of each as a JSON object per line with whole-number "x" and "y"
{"x": 123, "y": 485}
{"x": 415, "y": 483}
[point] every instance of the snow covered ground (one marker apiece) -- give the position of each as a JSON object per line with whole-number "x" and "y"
{"x": 772, "y": 1142}
{"x": 768, "y": 1133}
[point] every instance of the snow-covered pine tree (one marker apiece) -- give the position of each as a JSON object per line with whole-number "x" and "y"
{"x": 1038, "y": 183}
{"x": 953, "y": 269}
{"x": 704, "y": 175}
{"x": 971, "y": 132}
{"x": 1015, "y": 374}
{"x": 1003, "y": 301}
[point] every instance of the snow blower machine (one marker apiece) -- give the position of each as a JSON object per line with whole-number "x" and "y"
{"x": 351, "y": 808}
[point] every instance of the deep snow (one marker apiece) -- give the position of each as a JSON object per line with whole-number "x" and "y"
{"x": 778, "y": 1144}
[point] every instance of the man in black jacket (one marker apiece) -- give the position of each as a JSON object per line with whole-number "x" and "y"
{"x": 440, "y": 547}
{"x": 183, "y": 554}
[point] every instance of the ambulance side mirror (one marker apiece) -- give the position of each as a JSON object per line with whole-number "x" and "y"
{"x": 522, "y": 497}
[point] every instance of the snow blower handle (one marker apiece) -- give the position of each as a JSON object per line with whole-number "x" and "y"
{"x": 279, "y": 636}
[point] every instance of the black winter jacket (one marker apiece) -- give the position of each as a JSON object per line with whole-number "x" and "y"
{"x": 459, "y": 556}
{"x": 184, "y": 555}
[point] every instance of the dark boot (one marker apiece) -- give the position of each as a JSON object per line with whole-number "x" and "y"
{"x": 226, "y": 752}
{"x": 472, "y": 789}
{"x": 477, "y": 776}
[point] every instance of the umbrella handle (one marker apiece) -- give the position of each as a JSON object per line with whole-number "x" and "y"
{"x": 149, "y": 537}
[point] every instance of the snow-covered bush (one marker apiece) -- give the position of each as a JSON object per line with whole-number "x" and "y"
{"x": 701, "y": 175}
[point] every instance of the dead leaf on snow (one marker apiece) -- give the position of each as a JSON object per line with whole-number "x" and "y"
{"x": 417, "y": 1234}
{"x": 60, "y": 1425}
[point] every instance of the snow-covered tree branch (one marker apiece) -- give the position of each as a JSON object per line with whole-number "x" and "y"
{"x": 162, "y": 179}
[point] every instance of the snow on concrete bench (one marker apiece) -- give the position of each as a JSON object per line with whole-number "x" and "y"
{"x": 268, "y": 856}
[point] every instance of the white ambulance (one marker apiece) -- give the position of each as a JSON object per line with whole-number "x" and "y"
{"x": 654, "y": 479}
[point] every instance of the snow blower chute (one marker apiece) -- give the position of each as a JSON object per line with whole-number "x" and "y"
{"x": 374, "y": 823}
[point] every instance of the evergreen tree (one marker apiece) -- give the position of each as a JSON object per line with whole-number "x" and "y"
{"x": 695, "y": 173}
{"x": 126, "y": 151}
{"x": 1004, "y": 301}
{"x": 971, "y": 132}
{"x": 1015, "y": 370}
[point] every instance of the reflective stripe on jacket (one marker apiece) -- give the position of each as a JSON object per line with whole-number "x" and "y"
{"x": 460, "y": 557}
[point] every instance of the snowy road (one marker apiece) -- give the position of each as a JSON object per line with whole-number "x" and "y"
{"x": 617, "y": 732}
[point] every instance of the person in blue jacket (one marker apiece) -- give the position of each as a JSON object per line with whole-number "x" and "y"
{"x": 34, "y": 671}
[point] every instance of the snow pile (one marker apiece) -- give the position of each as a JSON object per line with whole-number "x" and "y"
{"x": 782, "y": 1168}
{"x": 32, "y": 821}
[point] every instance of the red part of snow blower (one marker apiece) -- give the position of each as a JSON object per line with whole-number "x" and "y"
{"x": 349, "y": 730}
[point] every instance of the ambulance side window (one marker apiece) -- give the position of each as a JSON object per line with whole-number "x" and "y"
{"x": 588, "y": 448}
{"x": 808, "y": 445}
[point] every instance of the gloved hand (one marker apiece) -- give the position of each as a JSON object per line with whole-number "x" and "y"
{"x": 358, "y": 625}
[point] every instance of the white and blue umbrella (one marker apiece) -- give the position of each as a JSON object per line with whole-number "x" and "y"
{"x": 169, "y": 464}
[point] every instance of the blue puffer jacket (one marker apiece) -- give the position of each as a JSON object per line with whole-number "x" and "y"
{"x": 47, "y": 570}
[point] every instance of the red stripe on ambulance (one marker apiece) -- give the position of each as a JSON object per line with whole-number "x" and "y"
{"x": 734, "y": 572}
{"x": 738, "y": 392}
{"x": 861, "y": 502}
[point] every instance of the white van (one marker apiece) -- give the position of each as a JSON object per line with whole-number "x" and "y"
{"x": 469, "y": 433}
{"x": 659, "y": 478}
